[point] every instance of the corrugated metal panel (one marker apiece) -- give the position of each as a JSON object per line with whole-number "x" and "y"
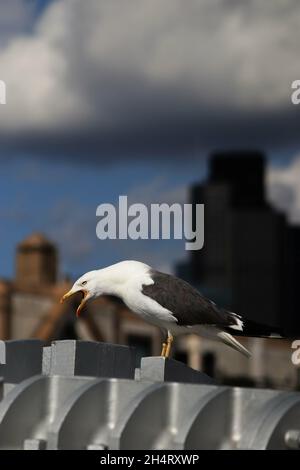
{"x": 83, "y": 395}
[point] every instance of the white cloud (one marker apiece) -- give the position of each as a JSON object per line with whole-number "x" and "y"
{"x": 124, "y": 63}
{"x": 283, "y": 185}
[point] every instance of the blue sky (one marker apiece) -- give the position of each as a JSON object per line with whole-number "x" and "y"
{"x": 60, "y": 199}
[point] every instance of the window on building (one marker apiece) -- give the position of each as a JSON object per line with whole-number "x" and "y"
{"x": 209, "y": 363}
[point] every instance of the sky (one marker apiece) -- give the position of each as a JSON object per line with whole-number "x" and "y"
{"x": 130, "y": 97}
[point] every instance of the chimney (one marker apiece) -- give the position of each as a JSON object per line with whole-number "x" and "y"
{"x": 36, "y": 262}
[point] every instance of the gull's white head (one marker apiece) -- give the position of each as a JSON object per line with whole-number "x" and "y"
{"x": 110, "y": 281}
{"x": 88, "y": 286}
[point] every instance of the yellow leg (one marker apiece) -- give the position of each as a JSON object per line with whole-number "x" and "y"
{"x": 169, "y": 344}
{"x": 163, "y": 351}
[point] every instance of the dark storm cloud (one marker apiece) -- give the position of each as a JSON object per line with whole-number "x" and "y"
{"x": 168, "y": 138}
{"x": 138, "y": 78}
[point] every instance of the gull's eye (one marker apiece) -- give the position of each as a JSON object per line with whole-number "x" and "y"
{"x": 84, "y": 283}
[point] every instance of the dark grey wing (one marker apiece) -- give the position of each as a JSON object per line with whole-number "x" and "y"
{"x": 186, "y": 303}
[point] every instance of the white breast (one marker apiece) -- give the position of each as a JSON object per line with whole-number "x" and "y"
{"x": 141, "y": 304}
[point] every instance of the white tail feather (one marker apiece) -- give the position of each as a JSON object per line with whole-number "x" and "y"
{"x": 239, "y": 325}
{"x": 231, "y": 341}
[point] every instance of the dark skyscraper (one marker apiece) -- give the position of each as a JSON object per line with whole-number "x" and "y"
{"x": 250, "y": 260}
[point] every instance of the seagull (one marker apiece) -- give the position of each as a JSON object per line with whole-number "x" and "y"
{"x": 163, "y": 300}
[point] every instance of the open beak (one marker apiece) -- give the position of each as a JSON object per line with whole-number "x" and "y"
{"x": 83, "y": 301}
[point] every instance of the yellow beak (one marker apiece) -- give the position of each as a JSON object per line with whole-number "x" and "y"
{"x": 84, "y": 299}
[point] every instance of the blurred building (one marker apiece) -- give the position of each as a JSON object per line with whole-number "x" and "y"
{"x": 251, "y": 259}
{"x": 30, "y": 308}
{"x": 250, "y": 262}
